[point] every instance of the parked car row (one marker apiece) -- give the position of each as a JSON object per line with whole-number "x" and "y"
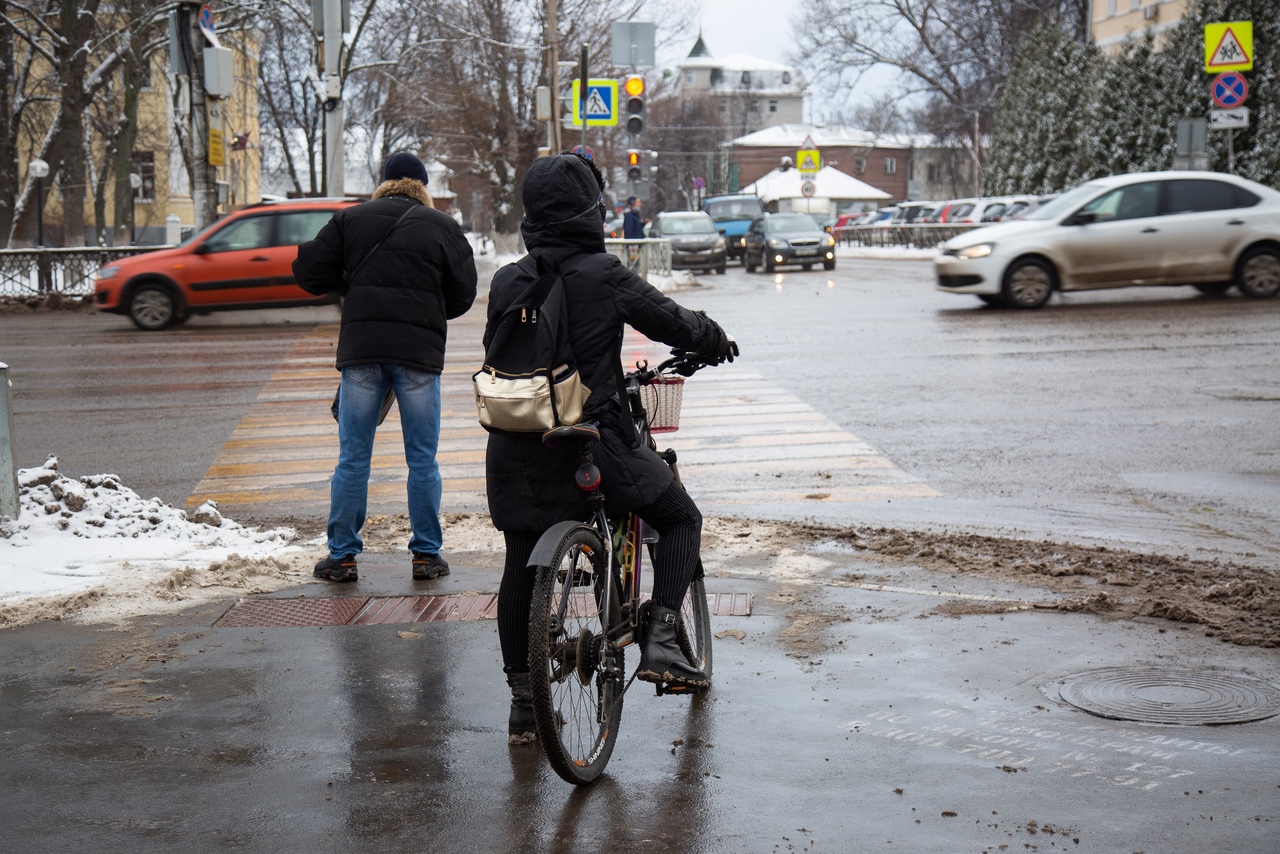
{"x": 969, "y": 211}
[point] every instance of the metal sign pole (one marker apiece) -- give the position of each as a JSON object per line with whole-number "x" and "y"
{"x": 9, "y": 504}
{"x": 584, "y": 57}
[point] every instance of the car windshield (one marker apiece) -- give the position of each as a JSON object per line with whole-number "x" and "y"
{"x": 748, "y": 207}
{"x": 688, "y": 225}
{"x": 1064, "y": 203}
{"x": 791, "y": 224}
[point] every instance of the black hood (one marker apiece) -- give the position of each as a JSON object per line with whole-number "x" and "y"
{"x": 562, "y": 206}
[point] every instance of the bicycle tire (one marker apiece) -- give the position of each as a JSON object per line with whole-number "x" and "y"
{"x": 694, "y": 632}
{"x": 575, "y": 708}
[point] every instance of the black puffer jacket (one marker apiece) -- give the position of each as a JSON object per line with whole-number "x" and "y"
{"x": 530, "y": 487}
{"x": 422, "y": 275}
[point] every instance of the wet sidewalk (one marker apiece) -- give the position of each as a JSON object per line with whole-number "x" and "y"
{"x": 921, "y": 716}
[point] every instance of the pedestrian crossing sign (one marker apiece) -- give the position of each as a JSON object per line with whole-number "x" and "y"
{"x": 808, "y": 160}
{"x": 602, "y": 103}
{"x": 1228, "y": 47}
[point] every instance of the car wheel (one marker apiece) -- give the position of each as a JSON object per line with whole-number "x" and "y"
{"x": 769, "y": 266}
{"x": 152, "y": 307}
{"x": 721, "y": 269}
{"x": 1028, "y": 283}
{"x": 746, "y": 262}
{"x": 991, "y": 299}
{"x": 1258, "y": 275}
{"x": 1213, "y": 289}
{"x": 829, "y": 265}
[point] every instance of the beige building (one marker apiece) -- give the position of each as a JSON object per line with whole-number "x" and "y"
{"x": 1113, "y": 21}
{"x": 743, "y": 93}
{"x": 156, "y": 156}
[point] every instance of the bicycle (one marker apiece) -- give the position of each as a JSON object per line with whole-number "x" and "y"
{"x": 587, "y": 601}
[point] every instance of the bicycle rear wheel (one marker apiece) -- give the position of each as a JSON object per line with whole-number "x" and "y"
{"x": 694, "y": 633}
{"x": 575, "y": 674}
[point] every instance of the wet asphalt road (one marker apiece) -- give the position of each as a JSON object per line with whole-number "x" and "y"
{"x": 843, "y": 720}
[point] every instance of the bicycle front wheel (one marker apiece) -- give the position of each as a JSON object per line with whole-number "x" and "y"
{"x": 694, "y": 634}
{"x": 575, "y": 673}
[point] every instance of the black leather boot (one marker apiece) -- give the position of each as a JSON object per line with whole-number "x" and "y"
{"x": 661, "y": 660}
{"x": 520, "y": 725}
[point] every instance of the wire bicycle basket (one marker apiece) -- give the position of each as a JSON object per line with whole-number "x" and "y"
{"x": 661, "y": 399}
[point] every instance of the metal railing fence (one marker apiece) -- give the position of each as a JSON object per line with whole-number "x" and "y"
{"x": 58, "y": 270}
{"x": 650, "y": 256}
{"x": 922, "y": 236}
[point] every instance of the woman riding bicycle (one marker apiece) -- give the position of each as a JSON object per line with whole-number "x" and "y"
{"x": 530, "y": 487}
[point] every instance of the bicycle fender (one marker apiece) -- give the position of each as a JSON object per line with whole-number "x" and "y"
{"x": 545, "y": 551}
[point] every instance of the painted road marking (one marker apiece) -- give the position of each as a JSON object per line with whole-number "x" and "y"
{"x": 743, "y": 442}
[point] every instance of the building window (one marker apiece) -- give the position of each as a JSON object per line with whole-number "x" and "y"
{"x": 773, "y": 106}
{"x": 143, "y": 164}
{"x": 745, "y": 80}
{"x": 1135, "y": 4}
{"x": 859, "y": 165}
{"x": 688, "y": 75}
{"x": 786, "y": 78}
{"x": 933, "y": 172}
{"x": 890, "y": 165}
{"x": 1111, "y": 8}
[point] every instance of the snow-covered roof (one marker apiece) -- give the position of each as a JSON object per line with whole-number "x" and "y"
{"x": 830, "y": 182}
{"x": 734, "y": 62}
{"x": 830, "y": 136}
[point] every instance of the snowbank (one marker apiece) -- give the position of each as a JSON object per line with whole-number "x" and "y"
{"x": 94, "y": 549}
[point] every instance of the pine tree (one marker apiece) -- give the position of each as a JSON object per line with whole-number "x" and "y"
{"x": 1042, "y": 123}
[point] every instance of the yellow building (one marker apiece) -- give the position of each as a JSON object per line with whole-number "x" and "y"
{"x": 156, "y": 157}
{"x": 1113, "y": 21}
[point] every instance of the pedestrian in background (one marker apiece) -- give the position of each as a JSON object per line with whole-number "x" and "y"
{"x": 633, "y": 220}
{"x": 404, "y": 269}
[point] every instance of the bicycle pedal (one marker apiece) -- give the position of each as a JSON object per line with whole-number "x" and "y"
{"x": 669, "y": 688}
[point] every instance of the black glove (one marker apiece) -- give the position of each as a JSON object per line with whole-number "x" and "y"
{"x": 716, "y": 345}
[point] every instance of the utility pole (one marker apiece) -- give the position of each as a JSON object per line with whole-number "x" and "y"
{"x": 334, "y": 163}
{"x": 583, "y": 90}
{"x": 553, "y": 81}
{"x": 204, "y": 176}
{"x": 977, "y": 158}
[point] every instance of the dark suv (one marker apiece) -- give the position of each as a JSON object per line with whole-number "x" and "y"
{"x": 788, "y": 238}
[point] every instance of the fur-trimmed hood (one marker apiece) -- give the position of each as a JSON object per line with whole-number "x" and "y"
{"x": 404, "y": 187}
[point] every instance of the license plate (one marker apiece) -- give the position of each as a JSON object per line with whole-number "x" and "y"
{"x": 806, "y": 251}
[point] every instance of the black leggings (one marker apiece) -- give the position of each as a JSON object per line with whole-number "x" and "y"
{"x": 679, "y": 524}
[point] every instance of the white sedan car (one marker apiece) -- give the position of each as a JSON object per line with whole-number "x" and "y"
{"x": 1204, "y": 229}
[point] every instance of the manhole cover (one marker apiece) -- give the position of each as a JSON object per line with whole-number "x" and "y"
{"x": 1243, "y": 392}
{"x": 1189, "y": 697}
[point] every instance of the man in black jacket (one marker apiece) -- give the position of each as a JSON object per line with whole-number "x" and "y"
{"x": 531, "y": 487}
{"x": 405, "y": 269}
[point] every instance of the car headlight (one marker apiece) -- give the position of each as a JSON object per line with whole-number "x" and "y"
{"x": 105, "y": 273}
{"x": 742, "y": 241}
{"x": 831, "y": 241}
{"x": 773, "y": 241}
{"x": 720, "y": 245}
{"x": 982, "y": 250}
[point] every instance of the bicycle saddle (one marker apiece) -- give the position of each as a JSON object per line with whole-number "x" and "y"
{"x": 557, "y": 436}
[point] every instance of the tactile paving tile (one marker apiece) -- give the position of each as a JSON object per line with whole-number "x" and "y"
{"x": 384, "y": 610}
{"x": 291, "y": 612}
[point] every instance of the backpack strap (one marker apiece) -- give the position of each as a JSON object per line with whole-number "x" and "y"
{"x": 348, "y": 278}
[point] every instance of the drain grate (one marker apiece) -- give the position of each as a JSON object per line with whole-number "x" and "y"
{"x": 383, "y": 610}
{"x": 1188, "y": 697}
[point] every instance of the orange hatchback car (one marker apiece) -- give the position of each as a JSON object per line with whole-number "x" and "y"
{"x": 244, "y": 260}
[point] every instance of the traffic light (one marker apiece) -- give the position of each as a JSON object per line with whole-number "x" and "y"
{"x": 633, "y": 88}
{"x": 633, "y": 165}
{"x": 653, "y": 165}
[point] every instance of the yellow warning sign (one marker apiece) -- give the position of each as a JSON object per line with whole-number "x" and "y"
{"x": 1228, "y": 47}
{"x": 808, "y": 160}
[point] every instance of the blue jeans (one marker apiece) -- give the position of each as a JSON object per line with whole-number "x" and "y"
{"x": 360, "y": 398}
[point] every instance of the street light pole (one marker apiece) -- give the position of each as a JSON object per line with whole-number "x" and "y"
{"x": 135, "y": 181}
{"x": 39, "y": 169}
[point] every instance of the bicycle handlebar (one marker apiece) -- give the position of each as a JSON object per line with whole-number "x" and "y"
{"x": 683, "y": 362}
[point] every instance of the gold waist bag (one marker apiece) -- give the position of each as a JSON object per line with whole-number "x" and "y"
{"x": 529, "y": 403}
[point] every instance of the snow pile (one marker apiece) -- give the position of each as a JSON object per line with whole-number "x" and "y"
{"x": 891, "y": 253}
{"x": 94, "y": 548}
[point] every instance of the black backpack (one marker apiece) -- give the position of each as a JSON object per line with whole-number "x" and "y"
{"x": 530, "y": 382}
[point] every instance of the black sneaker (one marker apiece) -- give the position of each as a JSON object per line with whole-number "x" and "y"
{"x": 427, "y": 567}
{"x": 337, "y": 568}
